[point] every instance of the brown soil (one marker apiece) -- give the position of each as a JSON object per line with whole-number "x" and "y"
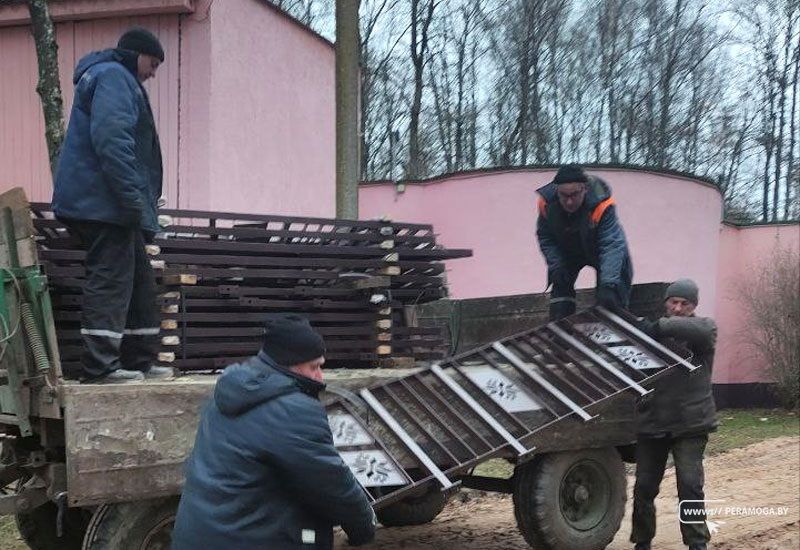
{"x": 766, "y": 474}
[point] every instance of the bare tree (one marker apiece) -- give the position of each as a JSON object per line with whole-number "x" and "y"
{"x": 680, "y": 84}
{"x": 347, "y": 158}
{"x": 374, "y": 61}
{"x": 49, "y": 86}
{"x": 421, "y": 18}
{"x": 453, "y": 84}
{"x": 308, "y": 12}
{"x": 771, "y": 297}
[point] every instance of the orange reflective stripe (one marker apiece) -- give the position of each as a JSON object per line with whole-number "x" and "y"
{"x": 600, "y": 209}
{"x": 542, "y": 207}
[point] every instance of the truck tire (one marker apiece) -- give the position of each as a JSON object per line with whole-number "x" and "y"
{"x": 413, "y": 510}
{"x": 572, "y": 500}
{"x": 38, "y": 527}
{"x": 142, "y": 525}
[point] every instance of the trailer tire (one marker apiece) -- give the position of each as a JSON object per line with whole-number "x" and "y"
{"x": 142, "y": 525}
{"x": 413, "y": 510}
{"x": 38, "y": 527}
{"x": 572, "y": 500}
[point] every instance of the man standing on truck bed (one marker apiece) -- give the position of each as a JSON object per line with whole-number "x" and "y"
{"x": 264, "y": 472}
{"x": 106, "y": 191}
{"x": 578, "y": 227}
{"x": 677, "y": 418}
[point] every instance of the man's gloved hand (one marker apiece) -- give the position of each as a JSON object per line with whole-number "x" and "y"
{"x": 358, "y": 535}
{"x": 561, "y": 309}
{"x": 650, "y": 328}
{"x": 608, "y": 297}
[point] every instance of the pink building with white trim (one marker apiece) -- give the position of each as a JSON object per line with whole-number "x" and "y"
{"x": 244, "y": 103}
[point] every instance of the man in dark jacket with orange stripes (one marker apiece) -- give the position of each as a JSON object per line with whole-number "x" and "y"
{"x": 578, "y": 227}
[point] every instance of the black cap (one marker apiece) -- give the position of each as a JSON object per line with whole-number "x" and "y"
{"x": 570, "y": 173}
{"x": 140, "y": 40}
{"x": 289, "y": 340}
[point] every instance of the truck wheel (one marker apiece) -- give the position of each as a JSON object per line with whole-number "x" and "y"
{"x": 143, "y": 525}
{"x": 38, "y": 527}
{"x": 413, "y": 510}
{"x": 572, "y": 500}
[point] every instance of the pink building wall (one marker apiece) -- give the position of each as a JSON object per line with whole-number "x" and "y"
{"x": 494, "y": 213}
{"x": 743, "y": 252}
{"x": 244, "y": 102}
{"x": 23, "y": 151}
{"x": 269, "y": 109}
{"x": 672, "y": 224}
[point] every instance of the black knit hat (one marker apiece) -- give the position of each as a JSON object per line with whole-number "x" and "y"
{"x": 289, "y": 340}
{"x": 140, "y": 40}
{"x": 570, "y": 173}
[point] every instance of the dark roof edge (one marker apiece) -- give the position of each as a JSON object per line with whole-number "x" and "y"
{"x": 663, "y": 171}
{"x": 297, "y": 22}
{"x": 740, "y": 225}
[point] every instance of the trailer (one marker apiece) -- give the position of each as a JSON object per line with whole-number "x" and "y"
{"x": 100, "y": 466}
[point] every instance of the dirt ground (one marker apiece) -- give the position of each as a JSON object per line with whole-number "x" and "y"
{"x": 766, "y": 474}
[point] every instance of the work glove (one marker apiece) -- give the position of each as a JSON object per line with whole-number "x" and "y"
{"x": 650, "y": 328}
{"x": 363, "y": 533}
{"x": 559, "y": 310}
{"x": 608, "y": 297}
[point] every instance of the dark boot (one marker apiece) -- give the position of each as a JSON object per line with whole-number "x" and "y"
{"x": 100, "y": 352}
{"x": 642, "y": 546}
{"x": 698, "y": 546}
{"x": 119, "y": 376}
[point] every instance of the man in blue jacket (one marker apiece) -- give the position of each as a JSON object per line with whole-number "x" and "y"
{"x": 106, "y": 191}
{"x": 264, "y": 472}
{"x": 578, "y": 227}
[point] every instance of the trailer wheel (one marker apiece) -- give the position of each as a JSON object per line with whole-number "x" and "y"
{"x": 143, "y": 525}
{"x": 572, "y": 500}
{"x": 38, "y": 527}
{"x": 413, "y": 510}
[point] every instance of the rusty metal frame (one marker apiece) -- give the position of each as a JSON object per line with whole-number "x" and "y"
{"x": 445, "y": 417}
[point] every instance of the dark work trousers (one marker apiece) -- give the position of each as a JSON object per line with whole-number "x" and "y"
{"x": 562, "y": 297}
{"x": 651, "y": 459}
{"x": 120, "y": 320}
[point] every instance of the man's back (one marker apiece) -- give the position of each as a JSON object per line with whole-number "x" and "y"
{"x": 264, "y": 472}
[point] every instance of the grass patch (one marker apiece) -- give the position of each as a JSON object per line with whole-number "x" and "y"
{"x": 742, "y": 427}
{"x": 737, "y": 428}
{"x": 9, "y": 537}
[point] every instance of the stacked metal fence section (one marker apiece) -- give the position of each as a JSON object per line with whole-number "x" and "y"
{"x": 221, "y": 273}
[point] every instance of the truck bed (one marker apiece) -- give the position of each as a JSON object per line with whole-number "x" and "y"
{"x": 128, "y": 441}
